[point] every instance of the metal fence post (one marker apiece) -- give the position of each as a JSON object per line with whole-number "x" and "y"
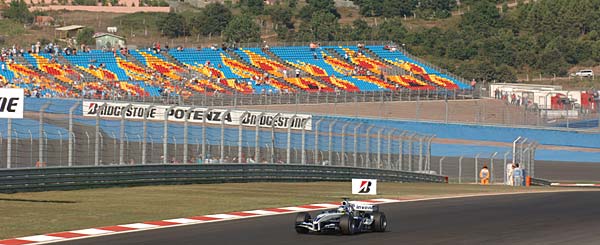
{"x": 241, "y": 136}
{"x": 367, "y": 146}
{"x": 185, "y": 132}
{"x": 97, "y": 136}
{"x": 492, "y": 166}
{"x": 303, "y": 146}
{"x": 421, "y": 139}
{"x": 428, "y": 153}
{"x": 205, "y": 114}
{"x": 477, "y": 166}
{"x": 316, "y": 151}
{"x": 145, "y": 133}
{"x": 257, "y": 138}
{"x": 441, "y": 164}
{"x": 504, "y": 166}
{"x": 40, "y": 148}
{"x": 166, "y": 134}
{"x": 45, "y": 146}
{"x": 60, "y": 142}
{"x": 330, "y": 143}
{"x": 9, "y": 143}
{"x": 460, "y": 169}
{"x": 401, "y": 150}
{"x": 114, "y": 155}
{"x": 389, "y": 147}
{"x": 222, "y": 158}
{"x": 122, "y": 135}
{"x": 410, "y": 150}
{"x": 532, "y": 162}
{"x": 288, "y": 152}
{"x": 521, "y": 149}
{"x": 275, "y": 118}
{"x": 379, "y": 147}
{"x": 88, "y": 147}
{"x": 355, "y": 155}
{"x": 343, "y": 160}
{"x": 514, "y": 152}
{"x": 30, "y": 146}
{"x": 71, "y": 134}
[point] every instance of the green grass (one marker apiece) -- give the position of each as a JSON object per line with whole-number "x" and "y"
{"x": 43, "y": 212}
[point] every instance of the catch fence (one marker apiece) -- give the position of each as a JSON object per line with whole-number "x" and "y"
{"x": 61, "y": 133}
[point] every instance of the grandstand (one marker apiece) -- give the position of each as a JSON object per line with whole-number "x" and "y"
{"x": 185, "y": 72}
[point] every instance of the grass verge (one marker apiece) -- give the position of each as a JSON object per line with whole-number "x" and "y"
{"x": 43, "y": 212}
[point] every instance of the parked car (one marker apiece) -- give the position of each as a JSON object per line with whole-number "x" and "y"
{"x": 583, "y": 73}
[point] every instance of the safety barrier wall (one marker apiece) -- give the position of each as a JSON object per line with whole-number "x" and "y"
{"x": 65, "y": 178}
{"x": 545, "y": 136}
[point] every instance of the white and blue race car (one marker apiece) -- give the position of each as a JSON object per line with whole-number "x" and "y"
{"x": 348, "y": 219}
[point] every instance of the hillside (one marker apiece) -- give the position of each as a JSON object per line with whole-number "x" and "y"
{"x": 483, "y": 40}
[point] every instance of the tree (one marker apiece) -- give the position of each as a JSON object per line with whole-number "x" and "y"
{"x": 360, "y": 30}
{"x": 173, "y": 25}
{"x": 391, "y": 30}
{"x": 370, "y": 8}
{"x": 86, "y": 36}
{"x": 481, "y": 20}
{"x": 282, "y": 19}
{"x": 242, "y": 29}
{"x": 435, "y": 8}
{"x": 324, "y": 26}
{"x": 18, "y": 11}
{"x": 398, "y": 8}
{"x": 211, "y": 20}
{"x": 255, "y": 7}
{"x": 314, "y": 6}
{"x": 282, "y": 16}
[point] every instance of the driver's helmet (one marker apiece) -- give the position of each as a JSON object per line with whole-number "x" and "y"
{"x": 345, "y": 207}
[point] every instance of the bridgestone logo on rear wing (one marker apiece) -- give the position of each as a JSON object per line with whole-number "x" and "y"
{"x": 214, "y": 116}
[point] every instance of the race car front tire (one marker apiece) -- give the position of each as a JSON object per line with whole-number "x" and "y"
{"x": 301, "y": 218}
{"x": 379, "y": 222}
{"x": 347, "y": 225}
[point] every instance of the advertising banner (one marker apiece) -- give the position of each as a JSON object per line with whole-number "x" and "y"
{"x": 364, "y": 186}
{"x": 196, "y": 115}
{"x": 11, "y": 102}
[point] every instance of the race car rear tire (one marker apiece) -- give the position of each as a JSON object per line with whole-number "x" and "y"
{"x": 379, "y": 222}
{"x": 347, "y": 225}
{"x": 301, "y": 218}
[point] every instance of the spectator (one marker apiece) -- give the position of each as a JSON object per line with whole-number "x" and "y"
{"x": 517, "y": 175}
{"x": 297, "y": 72}
{"x": 509, "y": 175}
{"x": 484, "y": 175}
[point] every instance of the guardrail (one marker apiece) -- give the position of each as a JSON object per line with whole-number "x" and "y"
{"x": 540, "y": 182}
{"x": 65, "y": 178}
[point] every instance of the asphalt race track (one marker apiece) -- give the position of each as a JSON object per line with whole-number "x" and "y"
{"x": 543, "y": 218}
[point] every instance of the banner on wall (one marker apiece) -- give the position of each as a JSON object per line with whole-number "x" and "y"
{"x": 364, "y": 186}
{"x": 11, "y": 102}
{"x": 196, "y": 115}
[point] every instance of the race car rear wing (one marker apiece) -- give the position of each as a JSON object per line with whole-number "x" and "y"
{"x": 364, "y": 207}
